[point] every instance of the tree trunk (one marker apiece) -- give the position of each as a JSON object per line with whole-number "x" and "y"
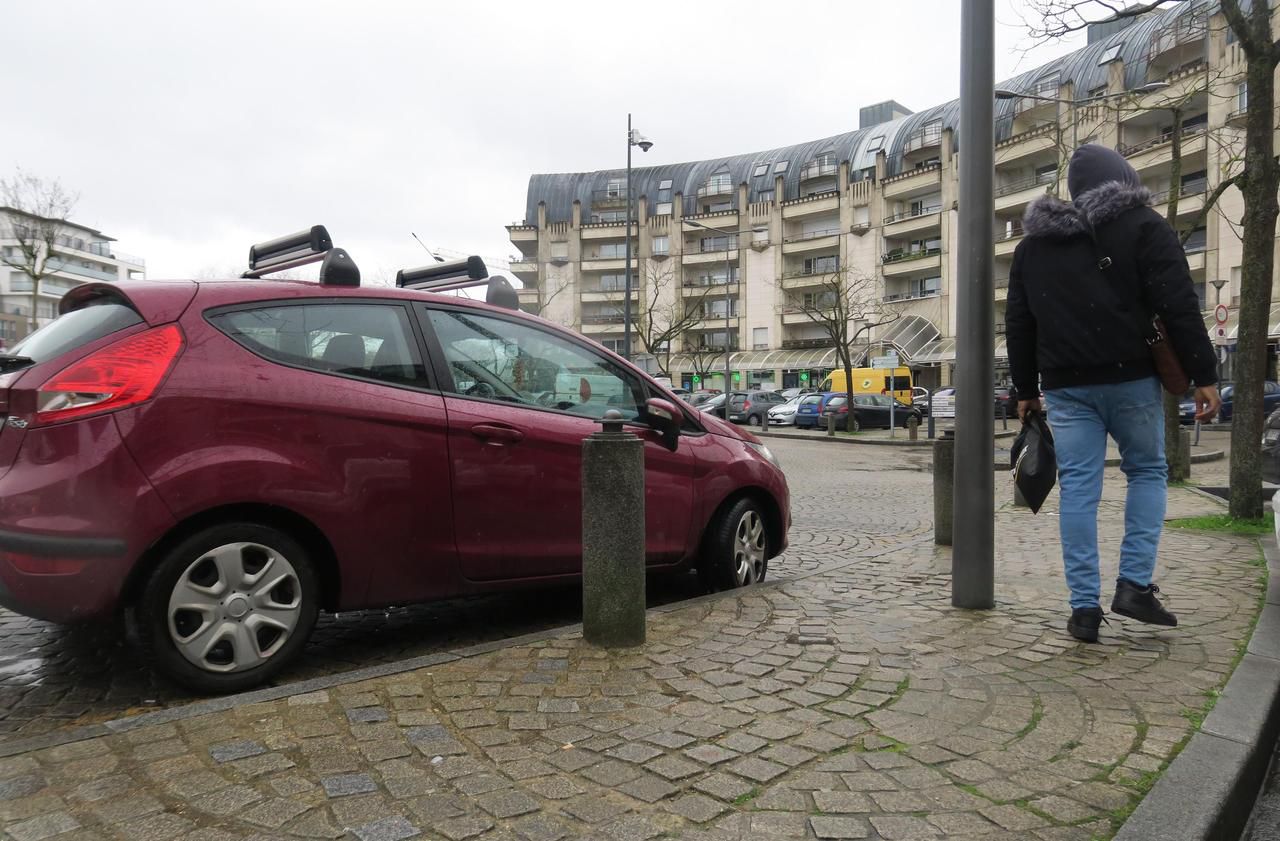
{"x": 851, "y": 422}
{"x": 1260, "y": 211}
{"x": 35, "y": 304}
{"x": 1179, "y": 471}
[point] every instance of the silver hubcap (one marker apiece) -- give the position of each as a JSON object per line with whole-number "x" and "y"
{"x": 234, "y": 607}
{"x": 749, "y": 548}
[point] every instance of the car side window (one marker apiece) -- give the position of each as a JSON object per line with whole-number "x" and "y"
{"x": 369, "y": 341}
{"x": 495, "y": 359}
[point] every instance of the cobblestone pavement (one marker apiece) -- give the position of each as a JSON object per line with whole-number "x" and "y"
{"x": 853, "y": 702}
{"x": 52, "y": 677}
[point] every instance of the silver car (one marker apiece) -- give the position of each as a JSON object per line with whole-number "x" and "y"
{"x": 784, "y": 415}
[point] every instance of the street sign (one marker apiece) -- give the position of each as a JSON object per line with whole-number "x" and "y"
{"x": 804, "y": 376}
{"x": 889, "y": 361}
{"x": 1220, "y": 335}
{"x": 1220, "y": 313}
{"x": 697, "y": 379}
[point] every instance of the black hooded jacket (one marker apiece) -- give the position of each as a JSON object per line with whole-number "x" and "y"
{"x": 1070, "y": 323}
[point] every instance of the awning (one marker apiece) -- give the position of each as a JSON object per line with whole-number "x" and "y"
{"x": 944, "y": 350}
{"x": 911, "y": 335}
{"x": 803, "y": 359}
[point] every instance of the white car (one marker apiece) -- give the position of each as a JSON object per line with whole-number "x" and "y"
{"x": 785, "y": 414}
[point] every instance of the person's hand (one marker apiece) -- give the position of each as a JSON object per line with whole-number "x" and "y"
{"x": 1025, "y": 406}
{"x": 1207, "y": 402}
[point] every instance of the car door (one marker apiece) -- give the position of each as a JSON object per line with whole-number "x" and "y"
{"x": 520, "y": 399}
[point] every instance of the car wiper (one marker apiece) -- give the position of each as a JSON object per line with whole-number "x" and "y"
{"x": 14, "y": 363}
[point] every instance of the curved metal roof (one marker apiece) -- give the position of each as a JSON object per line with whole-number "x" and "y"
{"x": 560, "y": 190}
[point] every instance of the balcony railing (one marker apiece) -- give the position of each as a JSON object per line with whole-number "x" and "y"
{"x": 914, "y": 171}
{"x": 817, "y": 169}
{"x": 800, "y": 344}
{"x": 597, "y": 288}
{"x": 710, "y": 248}
{"x": 808, "y": 235}
{"x": 716, "y": 189}
{"x": 913, "y": 213}
{"x": 609, "y": 198}
{"x": 904, "y": 256}
{"x": 1011, "y": 233}
{"x": 816, "y": 272}
{"x": 1162, "y": 138}
{"x": 914, "y": 295}
{"x": 1238, "y": 114}
{"x": 923, "y": 139}
{"x": 1195, "y": 188}
{"x": 1023, "y": 184}
{"x": 602, "y": 319}
{"x": 695, "y": 283}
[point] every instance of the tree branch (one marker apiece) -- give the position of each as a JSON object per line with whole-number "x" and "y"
{"x": 1062, "y": 17}
{"x": 1209, "y": 202}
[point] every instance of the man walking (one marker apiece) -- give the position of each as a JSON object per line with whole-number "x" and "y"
{"x": 1086, "y": 281}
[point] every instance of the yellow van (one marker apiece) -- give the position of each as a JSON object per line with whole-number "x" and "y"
{"x": 872, "y": 381}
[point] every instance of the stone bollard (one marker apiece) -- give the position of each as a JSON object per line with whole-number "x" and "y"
{"x": 831, "y": 425}
{"x": 613, "y": 569}
{"x": 944, "y": 466}
{"x": 913, "y": 428}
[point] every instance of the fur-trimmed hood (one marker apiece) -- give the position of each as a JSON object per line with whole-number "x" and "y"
{"x": 1050, "y": 216}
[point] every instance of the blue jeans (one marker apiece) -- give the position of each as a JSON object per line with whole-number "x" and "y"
{"x": 1081, "y": 419}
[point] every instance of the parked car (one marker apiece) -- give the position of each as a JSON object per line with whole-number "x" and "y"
{"x": 1006, "y": 403}
{"x": 920, "y": 399}
{"x": 754, "y": 409}
{"x": 784, "y": 414}
{"x": 714, "y": 405}
{"x": 1271, "y": 449}
{"x": 1270, "y": 402}
{"x": 871, "y": 410}
{"x": 944, "y": 403}
{"x": 682, "y": 393}
{"x": 796, "y": 392}
{"x": 224, "y": 459}
{"x": 809, "y": 409}
{"x": 697, "y": 398}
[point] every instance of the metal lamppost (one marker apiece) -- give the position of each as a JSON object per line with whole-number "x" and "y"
{"x": 634, "y": 138}
{"x": 1005, "y": 93}
{"x": 728, "y": 276}
{"x": 1217, "y": 302}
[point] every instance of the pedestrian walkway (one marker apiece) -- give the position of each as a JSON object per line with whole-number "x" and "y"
{"x": 850, "y": 701}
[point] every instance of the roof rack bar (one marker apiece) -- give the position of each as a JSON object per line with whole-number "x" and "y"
{"x": 288, "y": 251}
{"x": 442, "y": 276}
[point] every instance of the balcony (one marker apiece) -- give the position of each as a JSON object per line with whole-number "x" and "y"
{"x": 711, "y": 321}
{"x": 818, "y": 169}
{"x": 1191, "y": 198}
{"x": 522, "y": 233}
{"x": 1039, "y": 139}
{"x": 1007, "y": 241}
{"x": 608, "y": 230}
{"x": 811, "y": 205}
{"x": 598, "y": 294}
{"x": 1017, "y": 193}
{"x": 913, "y": 221}
{"x": 915, "y": 295}
{"x": 82, "y": 271}
{"x": 707, "y": 191}
{"x": 698, "y": 289}
{"x": 603, "y": 323}
{"x": 525, "y": 269}
{"x": 909, "y": 262}
{"x": 923, "y": 138}
{"x": 913, "y": 180}
{"x": 1189, "y": 134}
{"x": 811, "y": 241}
{"x": 715, "y": 255}
{"x": 797, "y": 315}
{"x": 1238, "y": 117}
{"x": 802, "y": 344}
{"x": 801, "y": 279}
{"x": 612, "y": 197}
{"x": 1195, "y": 260}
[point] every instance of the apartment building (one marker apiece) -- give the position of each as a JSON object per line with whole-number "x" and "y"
{"x": 732, "y": 246}
{"x": 79, "y": 255}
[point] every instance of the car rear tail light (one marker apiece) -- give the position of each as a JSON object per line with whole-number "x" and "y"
{"x": 746, "y": 405}
{"x": 122, "y": 374}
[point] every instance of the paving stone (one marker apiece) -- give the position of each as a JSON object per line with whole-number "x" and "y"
{"x": 632, "y": 828}
{"x": 903, "y": 828}
{"x": 227, "y": 801}
{"x": 539, "y": 828}
{"x": 710, "y": 754}
{"x": 634, "y": 752}
{"x": 394, "y": 828}
{"x": 723, "y": 786}
{"x": 45, "y": 826}
{"x": 835, "y": 827}
{"x": 742, "y": 742}
{"x": 159, "y": 827}
{"x": 236, "y": 750}
{"x": 648, "y": 788}
{"x": 363, "y": 715}
{"x": 507, "y": 803}
{"x": 554, "y": 788}
{"x": 477, "y": 784}
{"x": 593, "y": 810}
{"x": 344, "y": 785}
{"x": 842, "y": 802}
{"x": 673, "y": 767}
{"x": 274, "y": 813}
{"x": 611, "y": 773}
{"x": 754, "y": 768}
{"x": 459, "y": 829}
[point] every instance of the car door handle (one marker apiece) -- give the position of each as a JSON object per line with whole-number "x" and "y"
{"x": 497, "y": 433}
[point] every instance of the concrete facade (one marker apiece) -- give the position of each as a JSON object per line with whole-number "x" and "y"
{"x": 880, "y": 202}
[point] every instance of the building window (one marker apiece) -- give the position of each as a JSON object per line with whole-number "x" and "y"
{"x": 614, "y": 345}
{"x": 664, "y": 184}
{"x": 1197, "y": 241}
{"x": 821, "y": 265}
{"x": 876, "y": 144}
{"x": 1097, "y": 93}
{"x": 716, "y": 207}
{"x": 764, "y": 195}
{"x": 661, "y": 245}
{"x": 612, "y": 283}
{"x": 718, "y": 243}
{"x": 617, "y": 188}
{"x": 1242, "y": 96}
{"x": 1111, "y": 53}
{"x": 761, "y": 169}
{"x": 559, "y": 251}
{"x": 609, "y": 216}
{"x": 1046, "y": 174}
{"x": 760, "y": 338}
{"x": 780, "y": 167}
{"x": 664, "y": 196}
{"x": 611, "y": 251}
{"x": 719, "y": 182}
{"x": 662, "y": 209}
{"x": 924, "y": 287}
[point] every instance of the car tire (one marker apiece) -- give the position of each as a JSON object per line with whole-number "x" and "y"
{"x": 735, "y": 549}
{"x": 753, "y": 420}
{"x": 228, "y": 608}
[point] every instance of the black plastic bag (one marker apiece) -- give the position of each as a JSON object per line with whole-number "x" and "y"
{"x": 1035, "y": 465}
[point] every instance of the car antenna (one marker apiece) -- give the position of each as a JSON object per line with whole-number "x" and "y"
{"x": 428, "y": 250}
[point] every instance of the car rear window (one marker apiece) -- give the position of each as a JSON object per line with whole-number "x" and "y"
{"x": 811, "y": 400}
{"x": 75, "y": 329}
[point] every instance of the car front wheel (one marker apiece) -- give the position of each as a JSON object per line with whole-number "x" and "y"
{"x": 736, "y": 548}
{"x": 228, "y": 608}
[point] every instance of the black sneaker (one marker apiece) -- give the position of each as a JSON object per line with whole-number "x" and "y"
{"x": 1141, "y": 603}
{"x": 1084, "y": 623}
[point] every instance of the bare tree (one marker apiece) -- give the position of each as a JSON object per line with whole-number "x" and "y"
{"x": 544, "y": 300}
{"x": 1258, "y": 181}
{"x": 38, "y": 213}
{"x": 701, "y": 356}
{"x": 846, "y": 305}
{"x": 665, "y": 313}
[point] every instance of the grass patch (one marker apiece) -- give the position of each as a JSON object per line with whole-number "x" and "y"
{"x": 1226, "y": 523}
{"x": 746, "y": 797}
{"x": 1037, "y": 713}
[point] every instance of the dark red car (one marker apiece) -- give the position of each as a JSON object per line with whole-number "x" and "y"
{"x": 225, "y": 459}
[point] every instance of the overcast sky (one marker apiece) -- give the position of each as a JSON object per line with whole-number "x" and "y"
{"x": 190, "y": 130}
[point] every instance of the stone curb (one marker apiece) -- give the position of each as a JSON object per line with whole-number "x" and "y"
{"x": 222, "y": 703}
{"x": 1196, "y": 458}
{"x": 1208, "y": 791}
{"x": 875, "y": 442}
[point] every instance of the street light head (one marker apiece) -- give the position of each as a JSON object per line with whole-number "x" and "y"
{"x": 1153, "y": 87}
{"x": 645, "y": 145}
{"x": 1005, "y": 93}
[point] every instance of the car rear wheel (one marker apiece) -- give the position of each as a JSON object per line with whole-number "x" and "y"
{"x": 736, "y": 548}
{"x": 228, "y": 608}
{"x": 753, "y": 420}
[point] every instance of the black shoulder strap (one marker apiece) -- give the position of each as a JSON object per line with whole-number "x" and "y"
{"x": 1143, "y": 325}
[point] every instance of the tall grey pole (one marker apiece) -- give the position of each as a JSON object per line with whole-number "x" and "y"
{"x": 727, "y": 345}
{"x": 973, "y": 555}
{"x": 626, "y": 301}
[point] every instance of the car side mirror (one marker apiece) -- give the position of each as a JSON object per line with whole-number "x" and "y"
{"x": 664, "y": 418}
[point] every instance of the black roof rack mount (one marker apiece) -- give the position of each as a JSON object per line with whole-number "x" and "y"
{"x": 300, "y": 249}
{"x": 460, "y": 274}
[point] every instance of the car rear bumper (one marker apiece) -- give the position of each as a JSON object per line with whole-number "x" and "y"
{"x": 60, "y": 579}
